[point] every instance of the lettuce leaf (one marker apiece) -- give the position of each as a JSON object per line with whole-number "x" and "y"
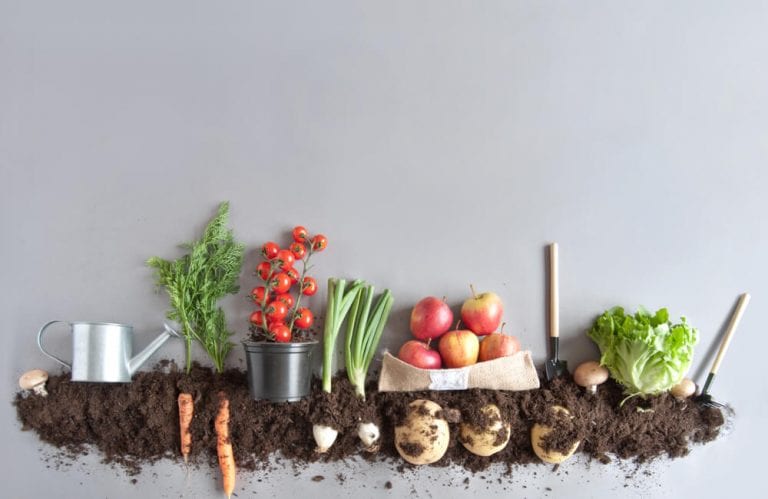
{"x": 644, "y": 352}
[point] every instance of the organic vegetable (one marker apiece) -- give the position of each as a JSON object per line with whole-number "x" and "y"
{"x": 308, "y": 286}
{"x": 646, "y": 353}
{"x": 298, "y": 250}
{"x": 319, "y": 242}
{"x": 186, "y": 410}
{"x": 300, "y": 234}
{"x": 34, "y": 380}
{"x": 364, "y": 329}
{"x": 196, "y": 282}
{"x": 279, "y": 316}
{"x": 684, "y": 389}
{"x": 304, "y": 318}
{"x": 325, "y": 436}
{"x": 224, "y": 446}
{"x": 285, "y": 259}
{"x": 269, "y": 250}
{"x": 339, "y": 302}
{"x": 424, "y": 435}
{"x": 369, "y": 434}
{"x": 590, "y": 374}
{"x": 540, "y": 431}
{"x": 489, "y": 438}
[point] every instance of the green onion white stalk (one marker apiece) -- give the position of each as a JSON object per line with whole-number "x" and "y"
{"x": 339, "y": 303}
{"x": 364, "y": 328}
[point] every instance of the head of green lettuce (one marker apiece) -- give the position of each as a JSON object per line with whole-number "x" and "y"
{"x": 644, "y": 352}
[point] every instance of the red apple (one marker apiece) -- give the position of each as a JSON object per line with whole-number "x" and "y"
{"x": 498, "y": 345}
{"x": 430, "y": 318}
{"x": 418, "y": 354}
{"x": 482, "y": 312}
{"x": 459, "y": 348}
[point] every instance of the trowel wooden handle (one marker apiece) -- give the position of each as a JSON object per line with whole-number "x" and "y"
{"x": 732, "y": 325}
{"x": 554, "y": 296}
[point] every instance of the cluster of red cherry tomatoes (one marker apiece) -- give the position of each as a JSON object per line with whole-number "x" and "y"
{"x": 278, "y": 313}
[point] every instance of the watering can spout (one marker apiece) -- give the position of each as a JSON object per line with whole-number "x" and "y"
{"x": 141, "y": 357}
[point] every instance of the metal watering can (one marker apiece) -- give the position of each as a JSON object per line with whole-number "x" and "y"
{"x": 101, "y": 351}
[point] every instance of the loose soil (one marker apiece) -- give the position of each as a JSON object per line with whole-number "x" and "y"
{"x": 136, "y": 423}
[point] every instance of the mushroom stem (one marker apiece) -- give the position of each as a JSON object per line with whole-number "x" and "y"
{"x": 592, "y": 389}
{"x": 40, "y": 390}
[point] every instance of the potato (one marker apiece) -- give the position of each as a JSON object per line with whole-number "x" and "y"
{"x": 481, "y": 440}
{"x": 423, "y": 437}
{"x": 539, "y": 431}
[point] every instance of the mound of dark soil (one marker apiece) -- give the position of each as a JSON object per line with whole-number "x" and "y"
{"x": 138, "y": 422}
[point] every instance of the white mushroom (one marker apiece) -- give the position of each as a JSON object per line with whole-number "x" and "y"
{"x": 589, "y": 375}
{"x": 34, "y": 380}
{"x": 684, "y": 389}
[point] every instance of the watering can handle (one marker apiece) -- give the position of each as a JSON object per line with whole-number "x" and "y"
{"x": 40, "y": 344}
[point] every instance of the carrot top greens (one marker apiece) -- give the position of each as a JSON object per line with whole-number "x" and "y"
{"x": 197, "y": 281}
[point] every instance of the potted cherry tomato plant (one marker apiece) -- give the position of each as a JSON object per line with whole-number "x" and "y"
{"x": 282, "y": 341}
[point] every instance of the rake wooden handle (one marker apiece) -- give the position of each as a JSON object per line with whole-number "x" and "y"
{"x": 735, "y": 318}
{"x": 554, "y": 296}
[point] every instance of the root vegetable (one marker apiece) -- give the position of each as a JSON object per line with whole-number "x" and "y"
{"x": 589, "y": 375}
{"x": 325, "y": 436}
{"x": 34, "y": 380}
{"x": 424, "y": 435}
{"x": 186, "y": 410}
{"x": 539, "y": 432}
{"x": 489, "y": 439}
{"x": 684, "y": 389}
{"x": 369, "y": 436}
{"x": 224, "y": 446}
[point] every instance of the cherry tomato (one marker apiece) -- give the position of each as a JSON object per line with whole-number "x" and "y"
{"x": 285, "y": 259}
{"x": 286, "y": 298}
{"x": 281, "y": 333}
{"x": 257, "y": 317}
{"x": 304, "y": 318}
{"x": 294, "y": 275}
{"x": 298, "y": 250}
{"x": 269, "y": 250}
{"x": 264, "y": 270}
{"x": 258, "y": 294}
{"x": 309, "y": 286}
{"x": 276, "y": 311}
{"x": 300, "y": 234}
{"x": 280, "y": 282}
{"x": 319, "y": 242}
{"x": 275, "y": 323}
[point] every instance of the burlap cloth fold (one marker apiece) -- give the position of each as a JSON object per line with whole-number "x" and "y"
{"x": 514, "y": 373}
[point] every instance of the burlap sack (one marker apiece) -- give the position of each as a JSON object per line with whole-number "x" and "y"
{"x": 514, "y": 373}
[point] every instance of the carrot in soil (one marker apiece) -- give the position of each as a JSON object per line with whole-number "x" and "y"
{"x": 224, "y": 446}
{"x": 186, "y": 409}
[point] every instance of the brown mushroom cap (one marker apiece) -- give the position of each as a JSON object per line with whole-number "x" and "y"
{"x": 684, "y": 389}
{"x": 33, "y": 378}
{"x": 590, "y": 373}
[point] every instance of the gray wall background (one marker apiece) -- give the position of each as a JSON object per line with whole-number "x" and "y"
{"x": 436, "y": 144}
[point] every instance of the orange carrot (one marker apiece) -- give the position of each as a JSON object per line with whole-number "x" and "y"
{"x": 224, "y": 446}
{"x": 186, "y": 409}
